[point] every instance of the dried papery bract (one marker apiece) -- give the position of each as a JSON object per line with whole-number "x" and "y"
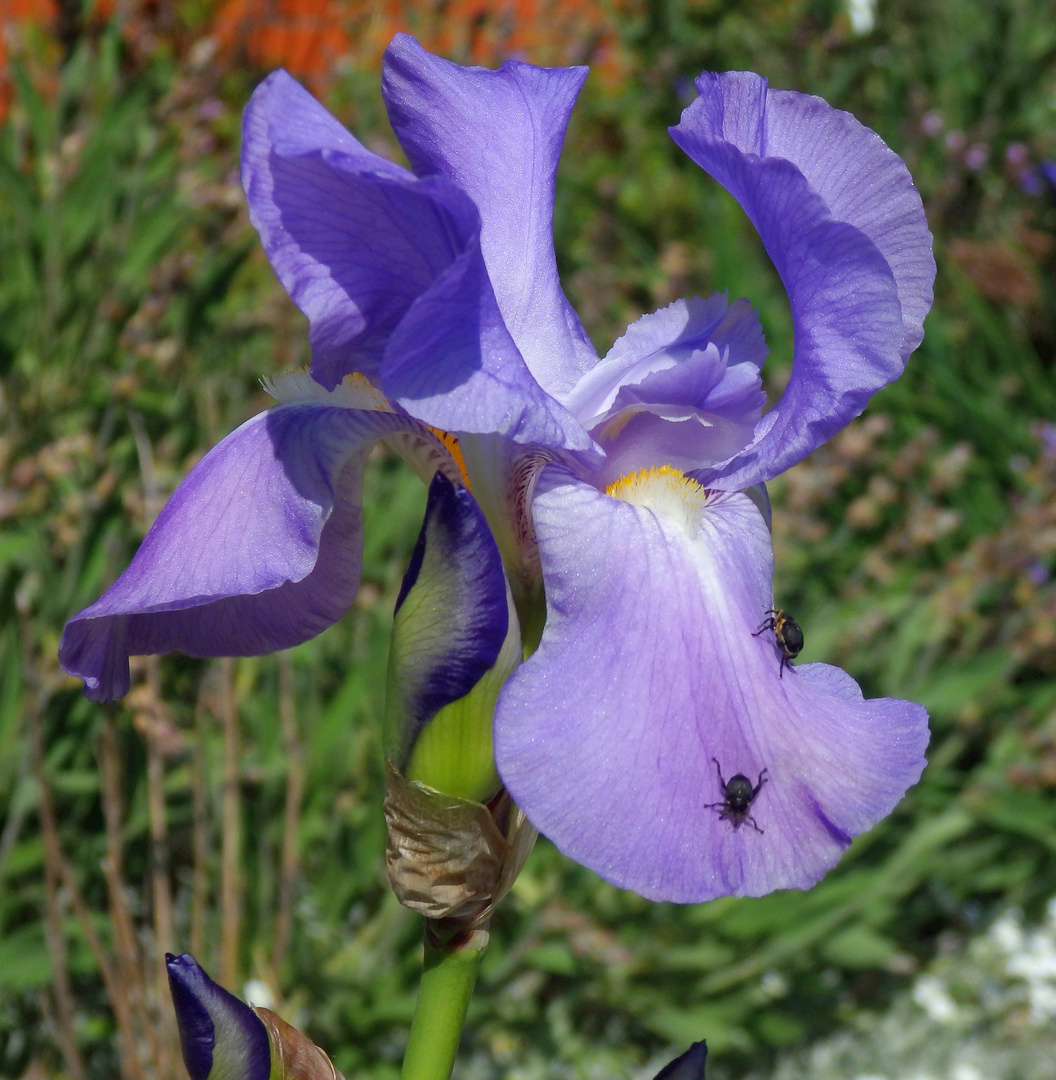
{"x": 452, "y": 859}
{"x": 293, "y": 1055}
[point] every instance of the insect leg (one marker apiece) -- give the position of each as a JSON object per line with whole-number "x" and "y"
{"x": 718, "y": 769}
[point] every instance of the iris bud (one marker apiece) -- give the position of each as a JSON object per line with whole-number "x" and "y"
{"x": 455, "y": 640}
{"x": 454, "y": 837}
{"x": 687, "y": 1066}
{"x": 222, "y": 1038}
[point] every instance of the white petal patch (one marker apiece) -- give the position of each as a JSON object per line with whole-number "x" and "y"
{"x": 666, "y": 492}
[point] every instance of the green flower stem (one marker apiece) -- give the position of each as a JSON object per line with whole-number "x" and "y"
{"x": 448, "y": 976}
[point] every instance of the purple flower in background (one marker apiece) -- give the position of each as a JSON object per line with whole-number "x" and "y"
{"x": 624, "y": 494}
{"x": 1048, "y": 170}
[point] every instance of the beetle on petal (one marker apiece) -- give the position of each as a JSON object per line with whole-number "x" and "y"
{"x": 737, "y": 798}
{"x": 787, "y": 635}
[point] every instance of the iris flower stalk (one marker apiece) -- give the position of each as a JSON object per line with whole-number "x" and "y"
{"x": 623, "y": 496}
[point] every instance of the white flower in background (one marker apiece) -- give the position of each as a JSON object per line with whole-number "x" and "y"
{"x": 965, "y": 1071}
{"x": 931, "y": 995}
{"x": 1032, "y": 958}
{"x": 862, "y": 14}
{"x": 981, "y": 1011}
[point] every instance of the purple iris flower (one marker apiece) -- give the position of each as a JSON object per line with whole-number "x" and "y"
{"x": 624, "y": 494}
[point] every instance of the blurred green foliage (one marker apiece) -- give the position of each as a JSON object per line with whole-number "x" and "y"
{"x": 918, "y": 550}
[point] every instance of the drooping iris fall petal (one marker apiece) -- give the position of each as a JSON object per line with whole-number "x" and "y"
{"x": 258, "y": 549}
{"x": 649, "y": 668}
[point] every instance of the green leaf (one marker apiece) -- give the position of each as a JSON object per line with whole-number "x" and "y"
{"x": 859, "y": 947}
{"x": 24, "y": 961}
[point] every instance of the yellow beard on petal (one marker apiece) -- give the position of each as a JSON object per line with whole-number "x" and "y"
{"x": 665, "y": 491}
{"x": 453, "y": 448}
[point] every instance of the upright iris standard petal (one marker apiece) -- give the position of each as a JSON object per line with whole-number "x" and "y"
{"x": 257, "y": 550}
{"x": 649, "y": 669}
{"x": 388, "y": 269}
{"x": 680, "y": 388}
{"x": 220, "y": 1036}
{"x": 453, "y": 364}
{"x": 839, "y": 215}
{"x": 354, "y": 238}
{"x": 497, "y": 135}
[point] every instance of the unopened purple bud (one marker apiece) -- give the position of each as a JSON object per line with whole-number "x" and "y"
{"x": 688, "y": 1066}
{"x": 219, "y": 1035}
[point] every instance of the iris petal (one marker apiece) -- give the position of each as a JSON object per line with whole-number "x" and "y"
{"x": 498, "y": 136}
{"x": 648, "y": 669}
{"x": 681, "y": 388}
{"x": 388, "y": 269}
{"x": 258, "y": 549}
{"x": 452, "y": 363}
{"x": 840, "y": 218}
{"x": 660, "y": 343}
{"x": 353, "y": 238}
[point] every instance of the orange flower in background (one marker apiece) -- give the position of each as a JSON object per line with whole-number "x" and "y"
{"x": 552, "y": 32}
{"x": 311, "y": 37}
{"x": 314, "y": 39}
{"x": 14, "y": 14}
{"x": 305, "y": 36}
